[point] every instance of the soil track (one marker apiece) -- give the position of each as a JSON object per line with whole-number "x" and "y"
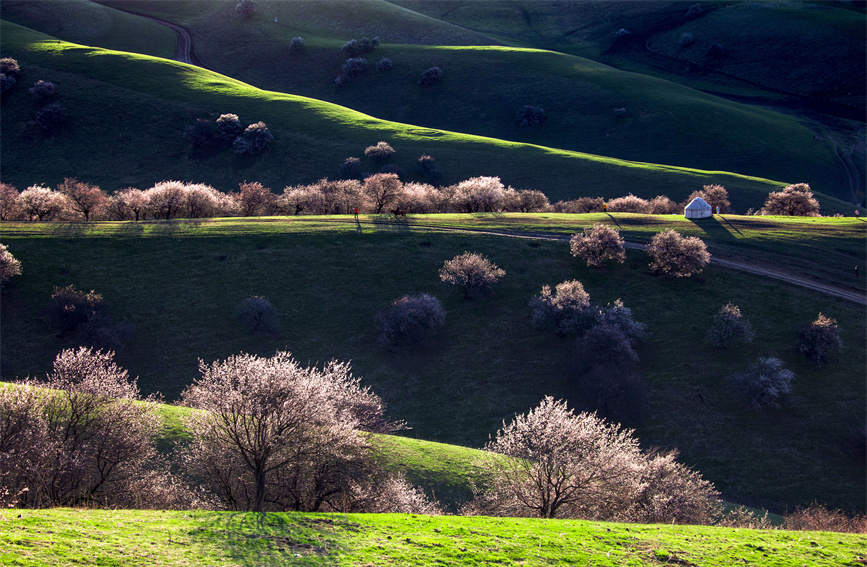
{"x": 184, "y": 52}
{"x": 730, "y": 264}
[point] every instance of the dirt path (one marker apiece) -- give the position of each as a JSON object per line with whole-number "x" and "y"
{"x": 730, "y": 264}
{"x": 184, "y": 51}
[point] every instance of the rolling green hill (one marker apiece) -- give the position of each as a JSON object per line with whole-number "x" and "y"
{"x": 150, "y": 101}
{"x": 484, "y": 87}
{"x": 177, "y": 284}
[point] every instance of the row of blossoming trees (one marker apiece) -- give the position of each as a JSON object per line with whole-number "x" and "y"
{"x": 376, "y": 194}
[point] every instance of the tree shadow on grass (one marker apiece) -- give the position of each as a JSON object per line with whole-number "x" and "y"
{"x": 273, "y": 538}
{"x": 716, "y": 230}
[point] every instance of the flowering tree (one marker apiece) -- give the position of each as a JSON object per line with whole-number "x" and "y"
{"x": 278, "y": 436}
{"x": 479, "y": 194}
{"x": 380, "y": 190}
{"x": 41, "y": 203}
{"x": 380, "y": 152}
{"x": 551, "y": 463}
{"x": 765, "y": 383}
{"x": 819, "y": 338}
{"x": 10, "y": 202}
{"x": 89, "y": 439}
{"x": 9, "y": 265}
{"x": 677, "y": 255}
{"x": 83, "y": 198}
{"x": 410, "y": 319}
{"x": 597, "y": 244}
{"x": 729, "y": 327}
{"x": 794, "y": 200}
{"x": 566, "y": 309}
{"x": 715, "y": 195}
{"x": 471, "y": 272}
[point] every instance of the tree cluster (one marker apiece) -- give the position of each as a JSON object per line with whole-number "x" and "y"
{"x": 227, "y": 131}
{"x": 552, "y": 463}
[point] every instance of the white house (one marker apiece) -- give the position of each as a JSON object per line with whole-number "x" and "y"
{"x": 698, "y": 208}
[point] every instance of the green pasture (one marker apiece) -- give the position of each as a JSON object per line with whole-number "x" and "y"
{"x": 177, "y": 283}
{"x": 35, "y": 538}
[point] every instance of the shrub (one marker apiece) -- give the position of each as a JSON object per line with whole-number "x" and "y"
{"x": 9, "y": 67}
{"x": 51, "y": 117}
{"x": 620, "y": 316}
{"x": 580, "y": 205}
{"x": 686, "y": 39}
{"x": 716, "y": 51}
{"x": 203, "y": 135}
{"x": 605, "y": 344}
{"x": 525, "y": 201}
{"x": 245, "y": 8}
{"x": 7, "y": 83}
{"x": 43, "y": 91}
{"x": 81, "y": 197}
{"x": 229, "y": 127}
{"x": 428, "y": 168}
{"x": 820, "y": 338}
{"x": 597, "y": 244}
{"x": 818, "y": 518}
{"x": 530, "y": 115}
{"x": 629, "y": 204}
{"x": 258, "y": 315}
{"x": 694, "y": 11}
{"x": 350, "y": 169}
{"x": 278, "y": 436}
{"x": 380, "y": 152}
{"x": 715, "y": 195}
{"x": 662, "y": 205}
{"x": 677, "y": 255}
{"x": 765, "y": 383}
{"x": 471, "y": 272}
{"x": 254, "y": 140}
{"x": 729, "y": 328}
{"x": 359, "y": 47}
{"x": 410, "y": 319}
{"x": 794, "y": 200}
{"x": 565, "y": 310}
{"x": 351, "y": 69}
{"x": 431, "y": 77}
{"x": 70, "y": 308}
{"x": 9, "y": 265}
{"x": 296, "y": 45}
{"x": 384, "y": 64}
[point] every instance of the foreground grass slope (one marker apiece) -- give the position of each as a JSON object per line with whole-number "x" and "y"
{"x": 34, "y": 538}
{"x": 151, "y": 101}
{"x": 177, "y": 284}
{"x": 484, "y": 86}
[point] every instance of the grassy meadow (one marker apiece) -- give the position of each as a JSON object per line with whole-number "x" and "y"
{"x": 177, "y": 283}
{"x": 161, "y": 538}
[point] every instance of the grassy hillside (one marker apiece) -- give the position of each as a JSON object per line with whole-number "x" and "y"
{"x": 177, "y": 284}
{"x": 485, "y": 86}
{"x": 82, "y": 21}
{"x": 151, "y": 101}
{"x": 160, "y": 538}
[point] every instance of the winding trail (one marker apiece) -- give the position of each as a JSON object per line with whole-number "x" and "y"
{"x": 848, "y": 295}
{"x": 184, "y": 52}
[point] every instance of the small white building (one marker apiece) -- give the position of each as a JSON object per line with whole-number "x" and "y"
{"x": 698, "y": 208}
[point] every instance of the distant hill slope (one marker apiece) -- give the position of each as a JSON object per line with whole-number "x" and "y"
{"x": 148, "y": 103}
{"x": 483, "y": 87}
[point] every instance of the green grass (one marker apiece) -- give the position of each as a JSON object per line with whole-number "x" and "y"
{"x": 665, "y": 123}
{"x": 163, "y": 538}
{"x": 177, "y": 284}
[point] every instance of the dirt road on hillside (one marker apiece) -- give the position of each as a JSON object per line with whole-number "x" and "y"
{"x": 848, "y": 295}
{"x": 184, "y": 52}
